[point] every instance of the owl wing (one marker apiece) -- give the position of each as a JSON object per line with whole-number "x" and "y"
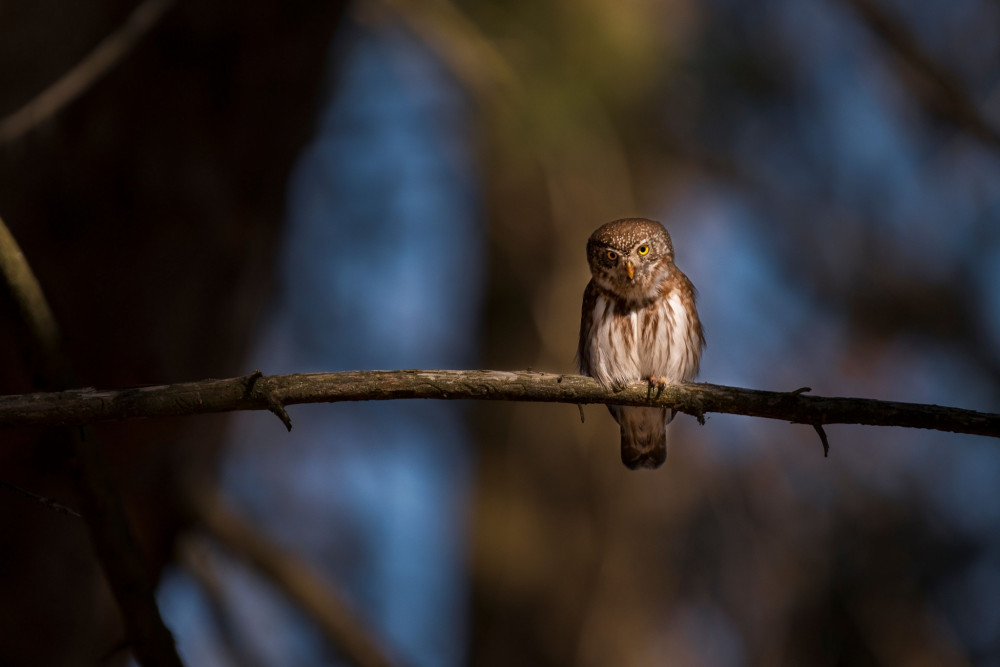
{"x": 695, "y": 332}
{"x": 586, "y": 321}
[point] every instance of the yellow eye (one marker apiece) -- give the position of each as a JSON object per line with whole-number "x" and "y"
{"x": 612, "y": 255}
{"x": 643, "y": 249}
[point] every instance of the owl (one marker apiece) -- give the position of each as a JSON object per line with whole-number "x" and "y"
{"x": 639, "y": 322}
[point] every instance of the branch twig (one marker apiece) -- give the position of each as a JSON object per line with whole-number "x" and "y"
{"x": 823, "y": 439}
{"x": 47, "y": 502}
{"x": 88, "y": 406}
{"x": 295, "y": 578}
{"x": 84, "y": 74}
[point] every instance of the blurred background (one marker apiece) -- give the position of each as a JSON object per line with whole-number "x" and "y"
{"x": 319, "y": 186}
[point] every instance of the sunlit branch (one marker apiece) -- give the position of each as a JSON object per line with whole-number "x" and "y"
{"x": 274, "y": 392}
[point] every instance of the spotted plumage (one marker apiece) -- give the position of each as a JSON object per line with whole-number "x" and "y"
{"x": 639, "y": 322}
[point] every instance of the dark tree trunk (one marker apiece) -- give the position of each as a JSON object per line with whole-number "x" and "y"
{"x": 149, "y": 208}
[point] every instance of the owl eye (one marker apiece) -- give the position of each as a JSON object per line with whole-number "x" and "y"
{"x": 612, "y": 255}
{"x": 643, "y": 249}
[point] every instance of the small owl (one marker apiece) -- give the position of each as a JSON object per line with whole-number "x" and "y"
{"x": 639, "y": 323}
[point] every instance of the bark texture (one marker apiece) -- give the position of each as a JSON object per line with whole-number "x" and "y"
{"x": 274, "y": 392}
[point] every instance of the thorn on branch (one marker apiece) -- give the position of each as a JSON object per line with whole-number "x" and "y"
{"x": 823, "y": 439}
{"x": 583, "y": 420}
{"x": 275, "y": 406}
{"x": 800, "y": 390}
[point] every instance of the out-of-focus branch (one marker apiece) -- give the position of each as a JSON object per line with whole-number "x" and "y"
{"x": 108, "y": 53}
{"x": 462, "y": 48}
{"x": 114, "y": 542}
{"x": 939, "y": 90}
{"x": 121, "y": 559}
{"x": 480, "y": 65}
{"x": 41, "y": 500}
{"x": 194, "y": 554}
{"x": 294, "y": 578}
{"x": 273, "y": 392}
{"x": 42, "y": 333}
{"x": 587, "y": 174}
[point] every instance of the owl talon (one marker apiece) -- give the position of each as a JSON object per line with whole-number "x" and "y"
{"x": 658, "y": 382}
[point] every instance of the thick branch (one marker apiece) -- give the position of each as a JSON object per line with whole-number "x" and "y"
{"x": 260, "y": 392}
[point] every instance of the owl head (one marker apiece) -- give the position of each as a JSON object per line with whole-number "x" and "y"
{"x": 631, "y": 258}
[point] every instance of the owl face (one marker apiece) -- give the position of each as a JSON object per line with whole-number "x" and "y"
{"x": 631, "y": 258}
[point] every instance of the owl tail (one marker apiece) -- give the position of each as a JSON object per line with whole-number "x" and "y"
{"x": 644, "y": 436}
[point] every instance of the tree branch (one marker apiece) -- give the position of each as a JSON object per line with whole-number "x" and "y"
{"x": 197, "y": 558}
{"x": 939, "y": 90}
{"x": 262, "y": 392}
{"x": 38, "y": 322}
{"x": 115, "y": 544}
{"x": 85, "y": 74}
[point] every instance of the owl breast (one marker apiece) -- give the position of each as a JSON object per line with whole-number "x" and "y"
{"x": 629, "y": 344}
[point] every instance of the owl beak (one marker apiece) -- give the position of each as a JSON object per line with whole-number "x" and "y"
{"x": 630, "y": 270}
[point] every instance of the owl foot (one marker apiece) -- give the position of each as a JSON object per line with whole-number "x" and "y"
{"x": 658, "y": 383}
